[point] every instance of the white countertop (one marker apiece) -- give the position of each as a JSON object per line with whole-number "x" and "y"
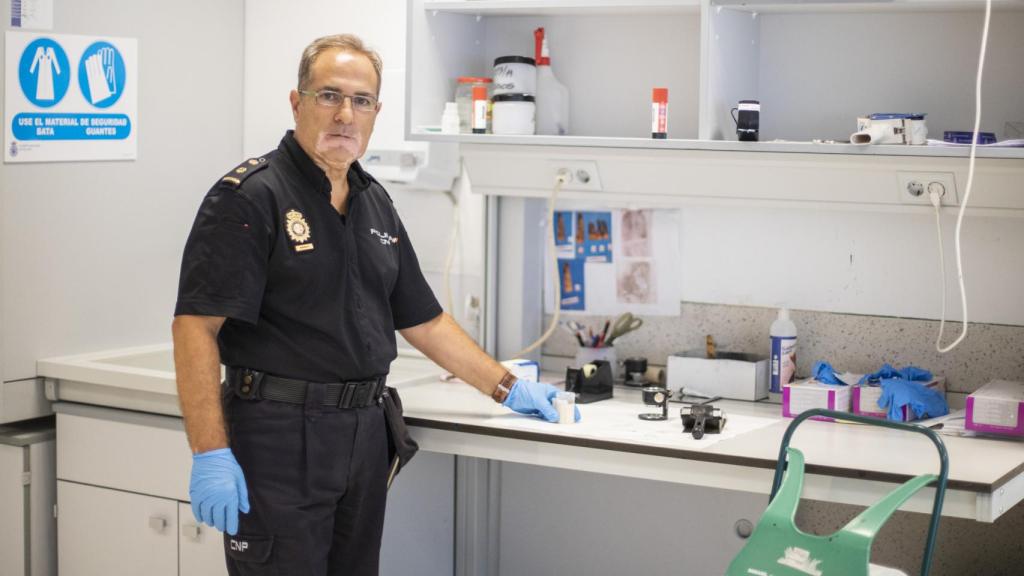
{"x": 847, "y": 463}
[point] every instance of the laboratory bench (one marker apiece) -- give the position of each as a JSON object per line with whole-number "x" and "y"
{"x": 119, "y": 402}
{"x": 847, "y": 463}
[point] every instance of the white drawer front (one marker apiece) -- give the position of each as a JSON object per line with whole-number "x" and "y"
{"x": 128, "y": 456}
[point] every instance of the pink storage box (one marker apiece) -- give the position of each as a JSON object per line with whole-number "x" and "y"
{"x": 808, "y": 394}
{"x": 864, "y": 400}
{"x": 996, "y": 408}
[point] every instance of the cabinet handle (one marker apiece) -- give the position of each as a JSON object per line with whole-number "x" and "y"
{"x": 190, "y": 531}
{"x": 158, "y": 523}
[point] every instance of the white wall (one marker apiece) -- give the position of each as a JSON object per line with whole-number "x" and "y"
{"x": 882, "y": 264}
{"x": 90, "y": 251}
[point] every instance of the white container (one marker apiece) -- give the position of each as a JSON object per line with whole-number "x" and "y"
{"x": 513, "y": 114}
{"x": 783, "y": 337}
{"x": 515, "y": 75}
{"x": 731, "y": 375}
{"x": 565, "y": 404}
{"x": 800, "y": 397}
{"x": 552, "y": 95}
{"x": 450, "y": 118}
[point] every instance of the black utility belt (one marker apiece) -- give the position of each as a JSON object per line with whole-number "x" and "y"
{"x": 255, "y": 385}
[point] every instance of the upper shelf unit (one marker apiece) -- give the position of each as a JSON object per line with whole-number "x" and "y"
{"x": 814, "y": 66}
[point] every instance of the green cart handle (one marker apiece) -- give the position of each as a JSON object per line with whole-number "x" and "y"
{"x": 868, "y": 522}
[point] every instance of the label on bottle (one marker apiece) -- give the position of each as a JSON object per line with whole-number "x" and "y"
{"x": 659, "y": 117}
{"x": 479, "y": 115}
{"x": 783, "y": 362}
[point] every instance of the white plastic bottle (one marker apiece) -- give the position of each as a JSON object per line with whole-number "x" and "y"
{"x": 552, "y": 96}
{"x": 783, "y": 335}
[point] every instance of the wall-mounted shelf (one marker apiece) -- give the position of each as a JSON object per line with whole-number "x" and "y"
{"x": 722, "y": 145}
{"x": 671, "y": 177}
{"x": 561, "y": 7}
{"x": 777, "y": 6}
{"x": 814, "y": 66}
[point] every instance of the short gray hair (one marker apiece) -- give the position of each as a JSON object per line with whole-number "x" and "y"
{"x": 343, "y": 42}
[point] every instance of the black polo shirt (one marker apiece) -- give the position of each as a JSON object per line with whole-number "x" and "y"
{"x": 308, "y": 293}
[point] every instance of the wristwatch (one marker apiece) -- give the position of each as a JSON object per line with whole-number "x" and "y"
{"x": 504, "y": 387}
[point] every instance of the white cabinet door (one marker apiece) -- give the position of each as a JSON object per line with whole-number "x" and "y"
{"x": 114, "y": 533}
{"x": 201, "y": 548}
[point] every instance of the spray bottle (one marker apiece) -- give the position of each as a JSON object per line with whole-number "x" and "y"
{"x": 552, "y": 96}
{"x": 783, "y": 335}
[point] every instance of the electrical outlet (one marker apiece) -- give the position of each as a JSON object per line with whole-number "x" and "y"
{"x": 914, "y": 187}
{"x": 582, "y": 175}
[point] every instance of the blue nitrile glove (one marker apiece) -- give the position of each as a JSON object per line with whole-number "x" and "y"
{"x": 824, "y": 372}
{"x": 217, "y": 490}
{"x": 923, "y": 401}
{"x": 527, "y": 397}
{"x": 887, "y": 371}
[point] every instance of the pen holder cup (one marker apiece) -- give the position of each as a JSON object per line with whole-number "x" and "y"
{"x": 588, "y": 355}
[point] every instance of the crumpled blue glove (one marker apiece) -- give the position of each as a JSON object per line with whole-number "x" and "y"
{"x": 887, "y": 371}
{"x": 534, "y": 398}
{"x": 824, "y": 372}
{"x": 923, "y": 401}
{"x": 217, "y": 490}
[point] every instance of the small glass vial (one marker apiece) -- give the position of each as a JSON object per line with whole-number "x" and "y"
{"x": 479, "y": 110}
{"x": 659, "y": 113}
{"x": 450, "y": 118}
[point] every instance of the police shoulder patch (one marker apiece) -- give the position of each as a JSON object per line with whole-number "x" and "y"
{"x": 236, "y": 176}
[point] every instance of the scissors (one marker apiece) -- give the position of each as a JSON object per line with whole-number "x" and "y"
{"x": 576, "y": 329}
{"x": 624, "y": 324}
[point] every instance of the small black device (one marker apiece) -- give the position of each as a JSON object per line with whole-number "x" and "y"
{"x": 700, "y": 419}
{"x": 749, "y": 121}
{"x": 591, "y": 382}
{"x": 636, "y": 370}
{"x": 656, "y": 396}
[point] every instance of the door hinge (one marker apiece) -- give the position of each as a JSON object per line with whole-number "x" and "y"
{"x": 26, "y": 478}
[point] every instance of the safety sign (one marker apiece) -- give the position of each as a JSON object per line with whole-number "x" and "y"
{"x": 69, "y": 98}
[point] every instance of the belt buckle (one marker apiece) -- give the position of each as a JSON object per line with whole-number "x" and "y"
{"x": 247, "y": 384}
{"x": 347, "y": 392}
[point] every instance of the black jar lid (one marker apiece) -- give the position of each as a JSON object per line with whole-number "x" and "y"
{"x": 515, "y": 60}
{"x": 515, "y": 97}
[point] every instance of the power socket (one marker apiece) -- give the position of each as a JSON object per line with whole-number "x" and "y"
{"x": 914, "y": 187}
{"x": 581, "y": 175}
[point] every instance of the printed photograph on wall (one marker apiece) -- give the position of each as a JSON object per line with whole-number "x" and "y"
{"x": 565, "y": 238}
{"x": 635, "y": 283}
{"x": 597, "y": 237}
{"x": 570, "y": 278}
{"x": 636, "y": 233}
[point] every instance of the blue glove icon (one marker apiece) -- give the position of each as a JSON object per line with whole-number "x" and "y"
{"x": 217, "y": 490}
{"x": 923, "y": 401}
{"x": 534, "y": 398}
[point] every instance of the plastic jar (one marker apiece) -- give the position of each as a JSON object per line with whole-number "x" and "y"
{"x": 515, "y": 75}
{"x": 464, "y": 100}
{"x": 513, "y": 114}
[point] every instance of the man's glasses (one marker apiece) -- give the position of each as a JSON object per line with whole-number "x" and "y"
{"x": 334, "y": 99}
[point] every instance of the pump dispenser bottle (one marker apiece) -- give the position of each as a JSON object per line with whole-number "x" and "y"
{"x": 552, "y": 95}
{"x": 783, "y": 335}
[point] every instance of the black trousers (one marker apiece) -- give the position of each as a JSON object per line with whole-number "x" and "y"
{"x": 317, "y": 480}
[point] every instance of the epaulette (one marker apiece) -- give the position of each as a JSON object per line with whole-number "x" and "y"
{"x": 251, "y": 166}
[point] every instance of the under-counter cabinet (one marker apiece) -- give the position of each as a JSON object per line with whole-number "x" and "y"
{"x": 122, "y": 494}
{"x": 27, "y": 492}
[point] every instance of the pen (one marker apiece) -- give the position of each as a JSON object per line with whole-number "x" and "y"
{"x": 604, "y": 333}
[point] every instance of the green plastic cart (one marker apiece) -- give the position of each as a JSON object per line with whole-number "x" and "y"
{"x": 778, "y": 548}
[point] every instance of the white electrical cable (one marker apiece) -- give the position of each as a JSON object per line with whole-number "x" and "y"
{"x": 967, "y": 195}
{"x": 560, "y": 179}
{"x": 450, "y": 258}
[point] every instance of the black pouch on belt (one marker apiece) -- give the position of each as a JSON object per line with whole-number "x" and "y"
{"x": 401, "y": 446}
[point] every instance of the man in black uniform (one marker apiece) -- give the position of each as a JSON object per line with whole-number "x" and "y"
{"x": 296, "y": 275}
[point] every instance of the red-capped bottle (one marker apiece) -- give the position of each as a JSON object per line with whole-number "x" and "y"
{"x": 659, "y": 113}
